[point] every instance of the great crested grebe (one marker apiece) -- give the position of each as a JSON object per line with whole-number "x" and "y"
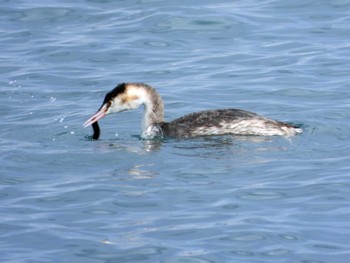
{"x": 128, "y": 96}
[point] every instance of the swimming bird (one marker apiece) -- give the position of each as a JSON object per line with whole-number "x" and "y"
{"x": 128, "y": 96}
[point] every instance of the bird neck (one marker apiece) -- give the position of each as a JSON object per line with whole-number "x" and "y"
{"x": 154, "y": 111}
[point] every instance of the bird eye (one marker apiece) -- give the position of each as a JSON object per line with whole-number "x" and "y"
{"x": 109, "y": 104}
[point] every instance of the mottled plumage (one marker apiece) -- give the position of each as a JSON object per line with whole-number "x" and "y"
{"x": 225, "y": 121}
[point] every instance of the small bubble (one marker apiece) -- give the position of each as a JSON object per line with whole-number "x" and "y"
{"x": 116, "y": 135}
{"x": 66, "y": 127}
{"x": 72, "y": 132}
{"x": 53, "y": 139}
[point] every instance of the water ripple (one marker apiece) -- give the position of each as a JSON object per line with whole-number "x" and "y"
{"x": 218, "y": 199}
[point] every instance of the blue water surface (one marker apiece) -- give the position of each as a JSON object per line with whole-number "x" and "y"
{"x": 65, "y": 198}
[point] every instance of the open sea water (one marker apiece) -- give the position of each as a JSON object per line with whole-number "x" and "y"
{"x": 65, "y": 198}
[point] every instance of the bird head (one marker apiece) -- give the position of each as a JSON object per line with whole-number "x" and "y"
{"x": 123, "y": 97}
